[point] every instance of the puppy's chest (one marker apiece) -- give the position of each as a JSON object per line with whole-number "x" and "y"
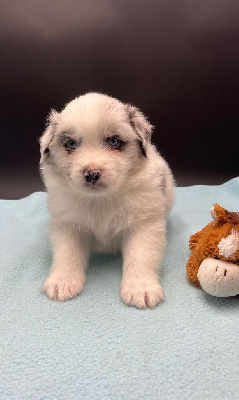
{"x": 102, "y": 220}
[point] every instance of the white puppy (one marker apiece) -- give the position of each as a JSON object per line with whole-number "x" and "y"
{"x": 108, "y": 190}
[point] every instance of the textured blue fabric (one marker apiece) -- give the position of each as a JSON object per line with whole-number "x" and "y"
{"x": 94, "y": 347}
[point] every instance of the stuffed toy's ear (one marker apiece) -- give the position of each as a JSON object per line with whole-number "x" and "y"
{"x": 141, "y": 126}
{"x": 47, "y": 137}
{"x": 221, "y": 216}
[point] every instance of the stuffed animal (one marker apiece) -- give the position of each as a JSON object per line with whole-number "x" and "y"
{"x": 214, "y": 262}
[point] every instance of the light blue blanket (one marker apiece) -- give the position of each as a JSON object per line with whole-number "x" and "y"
{"x": 94, "y": 347}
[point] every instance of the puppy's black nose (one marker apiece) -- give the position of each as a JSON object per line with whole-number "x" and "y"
{"x": 92, "y": 175}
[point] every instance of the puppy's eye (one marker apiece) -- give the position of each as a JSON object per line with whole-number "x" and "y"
{"x": 114, "y": 142}
{"x": 70, "y": 144}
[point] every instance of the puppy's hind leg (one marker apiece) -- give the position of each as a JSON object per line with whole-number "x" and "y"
{"x": 70, "y": 258}
{"x": 143, "y": 250}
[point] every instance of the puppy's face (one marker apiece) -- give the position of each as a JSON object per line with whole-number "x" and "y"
{"x": 96, "y": 143}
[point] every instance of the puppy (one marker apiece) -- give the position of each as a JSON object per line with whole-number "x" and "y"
{"x": 108, "y": 190}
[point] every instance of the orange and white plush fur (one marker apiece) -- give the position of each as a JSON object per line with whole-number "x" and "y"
{"x": 108, "y": 190}
{"x": 214, "y": 262}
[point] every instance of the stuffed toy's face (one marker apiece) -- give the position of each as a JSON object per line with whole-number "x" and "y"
{"x": 214, "y": 263}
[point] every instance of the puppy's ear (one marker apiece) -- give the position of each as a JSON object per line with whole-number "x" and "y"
{"x": 141, "y": 126}
{"x": 47, "y": 137}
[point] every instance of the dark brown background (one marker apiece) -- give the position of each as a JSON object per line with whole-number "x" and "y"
{"x": 177, "y": 60}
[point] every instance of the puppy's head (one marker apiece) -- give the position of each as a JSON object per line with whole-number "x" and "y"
{"x": 95, "y": 144}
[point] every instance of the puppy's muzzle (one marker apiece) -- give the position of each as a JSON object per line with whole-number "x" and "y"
{"x": 92, "y": 176}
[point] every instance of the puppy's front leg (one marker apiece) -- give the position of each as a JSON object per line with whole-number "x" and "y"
{"x": 143, "y": 250}
{"x": 70, "y": 258}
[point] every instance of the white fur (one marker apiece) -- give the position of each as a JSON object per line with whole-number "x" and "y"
{"x": 229, "y": 245}
{"x": 128, "y": 214}
{"x": 213, "y": 214}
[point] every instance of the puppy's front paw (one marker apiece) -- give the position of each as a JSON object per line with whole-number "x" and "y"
{"x": 141, "y": 294}
{"x": 62, "y": 288}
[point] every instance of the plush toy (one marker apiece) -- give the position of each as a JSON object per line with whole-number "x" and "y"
{"x": 214, "y": 262}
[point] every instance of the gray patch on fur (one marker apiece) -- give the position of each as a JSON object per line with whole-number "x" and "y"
{"x": 46, "y": 151}
{"x": 142, "y": 148}
{"x": 131, "y": 113}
